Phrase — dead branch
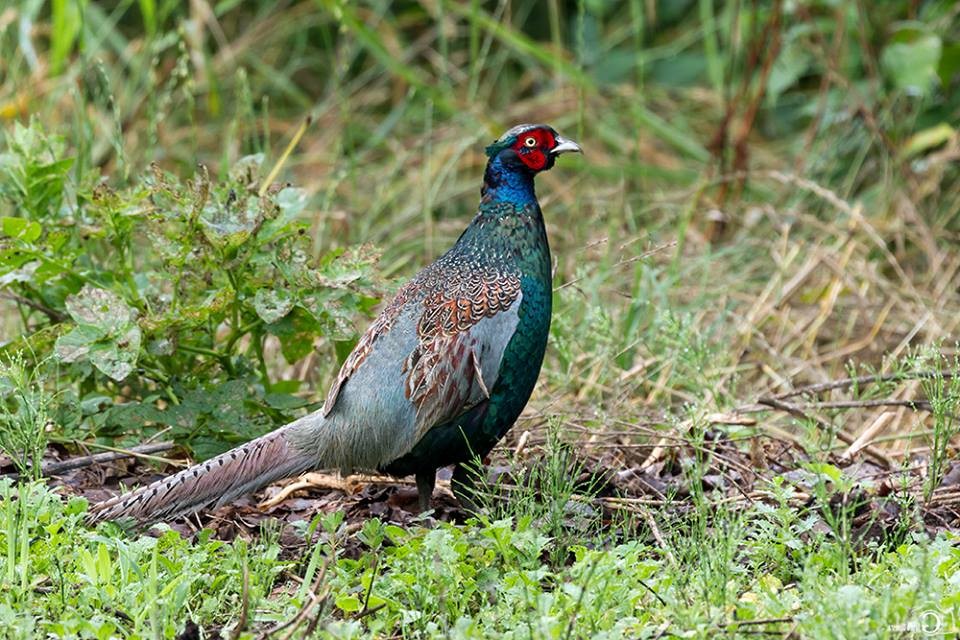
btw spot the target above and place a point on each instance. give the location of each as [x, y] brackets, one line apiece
[140, 451]
[844, 383]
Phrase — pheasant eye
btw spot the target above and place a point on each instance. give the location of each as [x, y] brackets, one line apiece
[530, 142]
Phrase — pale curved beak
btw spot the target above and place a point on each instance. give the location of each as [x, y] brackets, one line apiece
[564, 145]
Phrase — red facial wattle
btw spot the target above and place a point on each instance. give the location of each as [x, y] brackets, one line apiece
[534, 155]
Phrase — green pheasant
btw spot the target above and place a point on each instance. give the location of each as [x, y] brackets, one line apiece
[438, 378]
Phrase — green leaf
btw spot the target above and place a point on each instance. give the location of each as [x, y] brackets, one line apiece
[209, 416]
[296, 332]
[75, 345]
[20, 228]
[224, 400]
[162, 346]
[100, 308]
[348, 603]
[792, 63]
[67, 22]
[834, 474]
[94, 403]
[397, 535]
[285, 401]
[246, 170]
[272, 305]
[949, 65]
[228, 225]
[343, 348]
[117, 358]
[106, 334]
[148, 9]
[912, 66]
[286, 386]
[18, 273]
[292, 202]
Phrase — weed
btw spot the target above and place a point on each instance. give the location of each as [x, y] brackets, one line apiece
[553, 492]
[942, 390]
[27, 409]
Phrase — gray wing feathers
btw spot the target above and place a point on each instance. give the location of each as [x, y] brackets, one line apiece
[493, 334]
[371, 419]
[389, 402]
[448, 374]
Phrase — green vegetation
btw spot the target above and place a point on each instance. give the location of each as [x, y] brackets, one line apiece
[762, 572]
[202, 203]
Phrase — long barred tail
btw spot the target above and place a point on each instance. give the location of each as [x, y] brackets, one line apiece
[210, 484]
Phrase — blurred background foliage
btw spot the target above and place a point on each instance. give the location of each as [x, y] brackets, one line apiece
[167, 288]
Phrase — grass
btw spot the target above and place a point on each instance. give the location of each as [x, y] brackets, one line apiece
[25, 417]
[740, 574]
[741, 225]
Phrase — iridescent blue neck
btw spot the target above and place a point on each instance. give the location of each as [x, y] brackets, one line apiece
[507, 182]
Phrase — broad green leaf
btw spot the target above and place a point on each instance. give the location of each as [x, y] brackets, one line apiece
[228, 225]
[117, 358]
[348, 602]
[287, 386]
[106, 334]
[75, 345]
[21, 274]
[292, 202]
[833, 473]
[794, 61]
[100, 308]
[163, 346]
[343, 348]
[296, 332]
[397, 535]
[272, 305]
[285, 401]
[94, 403]
[912, 66]
[949, 65]
[20, 228]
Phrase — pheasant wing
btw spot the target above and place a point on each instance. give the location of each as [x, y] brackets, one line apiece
[448, 374]
[468, 317]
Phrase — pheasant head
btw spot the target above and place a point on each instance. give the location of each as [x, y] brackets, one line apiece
[518, 155]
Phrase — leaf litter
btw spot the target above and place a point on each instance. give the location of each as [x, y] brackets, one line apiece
[662, 483]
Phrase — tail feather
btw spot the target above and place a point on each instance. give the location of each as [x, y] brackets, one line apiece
[210, 484]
